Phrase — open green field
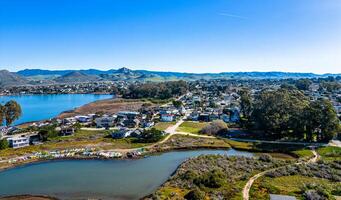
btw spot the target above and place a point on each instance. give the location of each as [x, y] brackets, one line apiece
[191, 127]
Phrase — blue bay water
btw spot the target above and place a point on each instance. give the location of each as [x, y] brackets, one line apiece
[98, 179]
[40, 107]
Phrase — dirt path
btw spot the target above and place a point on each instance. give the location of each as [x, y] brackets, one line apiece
[247, 187]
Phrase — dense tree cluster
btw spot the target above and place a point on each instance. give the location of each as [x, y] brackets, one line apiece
[164, 90]
[289, 113]
[303, 84]
[9, 112]
[149, 136]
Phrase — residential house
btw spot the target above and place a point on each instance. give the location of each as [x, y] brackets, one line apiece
[66, 131]
[105, 121]
[17, 141]
[167, 117]
[122, 133]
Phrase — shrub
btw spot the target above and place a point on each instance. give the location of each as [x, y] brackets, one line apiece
[149, 136]
[316, 192]
[4, 144]
[265, 158]
[195, 194]
[215, 128]
[212, 179]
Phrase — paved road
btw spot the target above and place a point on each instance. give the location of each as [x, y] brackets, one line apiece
[247, 187]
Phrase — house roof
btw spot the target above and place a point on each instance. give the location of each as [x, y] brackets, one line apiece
[281, 197]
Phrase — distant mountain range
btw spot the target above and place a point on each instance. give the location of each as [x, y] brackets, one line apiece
[39, 76]
[9, 79]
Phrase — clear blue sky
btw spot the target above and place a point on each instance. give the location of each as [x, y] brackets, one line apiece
[172, 35]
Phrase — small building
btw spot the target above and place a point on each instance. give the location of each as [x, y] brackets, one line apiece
[17, 141]
[167, 117]
[204, 117]
[131, 123]
[147, 124]
[281, 197]
[105, 122]
[128, 115]
[122, 133]
[66, 131]
[83, 119]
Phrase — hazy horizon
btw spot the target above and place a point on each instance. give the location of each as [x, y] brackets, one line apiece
[193, 36]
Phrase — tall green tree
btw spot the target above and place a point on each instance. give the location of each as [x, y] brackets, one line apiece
[245, 103]
[276, 112]
[303, 84]
[12, 112]
[321, 121]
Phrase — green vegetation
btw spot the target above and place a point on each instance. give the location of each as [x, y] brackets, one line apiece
[295, 185]
[330, 153]
[9, 112]
[303, 153]
[4, 144]
[161, 126]
[187, 142]
[195, 194]
[217, 127]
[163, 90]
[288, 113]
[212, 177]
[176, 103]
[245, 106]
[191, 127]
[149, 136]
[48, 132]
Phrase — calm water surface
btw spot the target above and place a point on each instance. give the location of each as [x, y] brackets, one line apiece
[109, 179]
[40, 107]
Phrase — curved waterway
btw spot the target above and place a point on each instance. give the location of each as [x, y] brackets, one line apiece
[98, 179]
[41, 107]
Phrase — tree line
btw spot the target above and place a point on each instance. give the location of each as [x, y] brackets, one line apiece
[164, 90]
[289, 113]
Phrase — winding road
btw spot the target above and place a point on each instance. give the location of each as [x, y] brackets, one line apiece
[247, 187]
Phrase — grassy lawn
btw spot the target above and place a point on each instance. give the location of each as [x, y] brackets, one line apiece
[161, 126]
[286, 185]
[303, 153]
[330, 153]
[191, 127]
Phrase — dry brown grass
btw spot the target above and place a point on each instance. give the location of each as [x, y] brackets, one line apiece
[108, 106]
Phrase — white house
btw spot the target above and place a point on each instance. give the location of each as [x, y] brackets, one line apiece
[17, 141]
